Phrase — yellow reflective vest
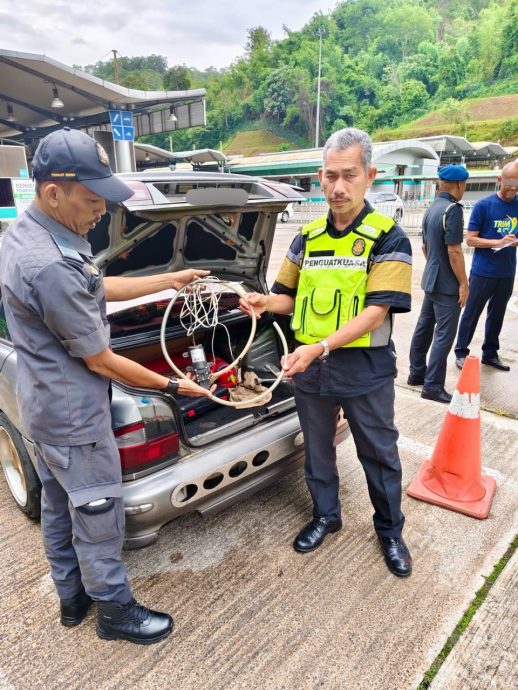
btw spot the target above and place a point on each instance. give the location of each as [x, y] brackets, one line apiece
[332, 281]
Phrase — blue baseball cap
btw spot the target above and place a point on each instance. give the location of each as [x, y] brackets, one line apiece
[453, 173]
[68, 155]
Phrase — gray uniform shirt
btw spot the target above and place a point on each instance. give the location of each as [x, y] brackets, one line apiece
[438, 275]
[56, 314]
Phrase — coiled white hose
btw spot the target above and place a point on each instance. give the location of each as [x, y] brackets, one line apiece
[201, 317]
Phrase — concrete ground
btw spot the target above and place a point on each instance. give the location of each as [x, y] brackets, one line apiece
[253, 614]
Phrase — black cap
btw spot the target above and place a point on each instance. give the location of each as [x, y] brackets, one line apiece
[68, 155]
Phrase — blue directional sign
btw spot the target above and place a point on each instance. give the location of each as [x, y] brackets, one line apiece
[118, 133]
[115, 117]
[122, 125]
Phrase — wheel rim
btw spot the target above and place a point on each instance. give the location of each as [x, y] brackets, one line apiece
[13, 469]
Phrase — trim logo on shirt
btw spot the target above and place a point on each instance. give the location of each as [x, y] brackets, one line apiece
[506, 226]
[327, 262]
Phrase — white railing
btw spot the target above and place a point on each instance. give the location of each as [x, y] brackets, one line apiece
[413, 212]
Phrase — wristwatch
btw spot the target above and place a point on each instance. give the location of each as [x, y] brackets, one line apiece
[172, 387]
[325, 345]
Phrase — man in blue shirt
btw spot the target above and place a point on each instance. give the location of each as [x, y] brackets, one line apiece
[445, 285]
[492, 232]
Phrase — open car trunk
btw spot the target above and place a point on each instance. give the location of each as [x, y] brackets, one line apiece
[136, 335]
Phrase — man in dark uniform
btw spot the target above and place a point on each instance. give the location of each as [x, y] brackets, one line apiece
[445, 285]
[492, 232]
[54, 299]
[342, 279]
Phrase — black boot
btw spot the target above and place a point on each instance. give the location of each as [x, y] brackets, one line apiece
[74, 610]
[131, 622]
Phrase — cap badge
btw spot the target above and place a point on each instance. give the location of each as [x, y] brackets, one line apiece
[102, 155]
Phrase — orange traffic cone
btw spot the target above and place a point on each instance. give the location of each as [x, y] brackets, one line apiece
[452, 477]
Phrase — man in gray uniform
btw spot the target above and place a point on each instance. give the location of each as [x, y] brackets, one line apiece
[54, 298]
[445, 285]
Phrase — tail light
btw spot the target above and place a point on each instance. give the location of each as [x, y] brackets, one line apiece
[137, 451]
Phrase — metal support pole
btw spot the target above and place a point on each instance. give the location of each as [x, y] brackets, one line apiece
[317, 125]
[124, 156]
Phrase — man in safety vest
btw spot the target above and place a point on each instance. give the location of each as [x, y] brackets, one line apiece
[343, 278]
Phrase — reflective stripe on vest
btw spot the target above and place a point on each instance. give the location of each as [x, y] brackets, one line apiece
[332, 281]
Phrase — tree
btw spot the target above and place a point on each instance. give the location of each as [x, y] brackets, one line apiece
[422, 66]
[405, 26]
[144, 80]
[456, 115]
[489, 37]
[359, 23]
[259, 41]
[177, 78]
[413, 96]
[280, 90]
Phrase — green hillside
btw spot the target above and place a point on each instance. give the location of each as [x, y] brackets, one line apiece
[251, 143]
[391, 67]
[480, 119]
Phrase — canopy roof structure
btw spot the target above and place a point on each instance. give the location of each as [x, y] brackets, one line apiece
[39, 95]
[452, 149]
[308, 161]
[148, 156]
[200, 156]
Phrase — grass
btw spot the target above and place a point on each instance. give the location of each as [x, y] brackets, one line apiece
[479, 599]
[262, 137]
[490, 119]
[253, 143]
[504, 131]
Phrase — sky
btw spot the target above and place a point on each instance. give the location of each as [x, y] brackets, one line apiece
[197, 33]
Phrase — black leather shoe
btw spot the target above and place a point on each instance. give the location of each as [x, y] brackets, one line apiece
[497, 363]
[439, 396]
[132, 622]
[459, 362]
[397, 555]
[313, 534]
[74, 610]
[413, 380]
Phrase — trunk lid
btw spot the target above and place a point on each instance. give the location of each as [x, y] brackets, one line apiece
[217, 221]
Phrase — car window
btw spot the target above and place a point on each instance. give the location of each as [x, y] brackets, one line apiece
[155, 250]
[4, 331]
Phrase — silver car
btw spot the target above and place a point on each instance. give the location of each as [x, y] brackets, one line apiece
[186, 454]
[387, 203]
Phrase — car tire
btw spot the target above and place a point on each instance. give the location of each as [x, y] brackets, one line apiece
[19, 472]
[398, 215]
[285, 216]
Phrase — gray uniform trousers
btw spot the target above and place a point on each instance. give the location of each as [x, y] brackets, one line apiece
[437, 323]
[83, 542]
[371, 420]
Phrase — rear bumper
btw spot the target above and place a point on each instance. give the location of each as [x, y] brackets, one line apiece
[213, 478]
